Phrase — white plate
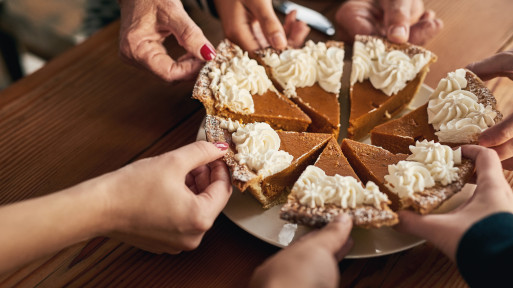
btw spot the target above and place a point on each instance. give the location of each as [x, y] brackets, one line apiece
[266, 225]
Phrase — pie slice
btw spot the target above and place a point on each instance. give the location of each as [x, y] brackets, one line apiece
[384, 78]
[264, 161]
[311, 78]
[398, 134]
[376, 164]
[234, 86]
[318, 195]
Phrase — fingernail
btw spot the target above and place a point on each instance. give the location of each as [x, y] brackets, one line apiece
[221, 145]
[342, 218]
[398, 32]
[208, 52]
[278, 41]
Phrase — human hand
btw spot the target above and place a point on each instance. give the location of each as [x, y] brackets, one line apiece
[253, 25]
[311, 261]
[397, 20]
[167, 203]
[144, 27]
[498, 65]
[493, 194]
[500, 136]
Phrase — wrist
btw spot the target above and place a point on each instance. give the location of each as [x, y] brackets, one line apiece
[95, 197]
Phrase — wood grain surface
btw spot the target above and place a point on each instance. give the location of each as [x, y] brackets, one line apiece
[87, 113]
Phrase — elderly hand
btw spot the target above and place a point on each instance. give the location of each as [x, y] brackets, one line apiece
[167, 203]
[144, 27]
[253, 24]
[493, 194]
[397, 20]
[500, 136]
[309, 262]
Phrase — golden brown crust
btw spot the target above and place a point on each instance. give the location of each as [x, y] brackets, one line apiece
[365, 216]
[407, 48]
[484, 95]
[242, 176]
[431, 198]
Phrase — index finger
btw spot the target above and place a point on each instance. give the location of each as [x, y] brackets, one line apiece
[500, 64]
[216, 195]
[397, 19]
[152, 55]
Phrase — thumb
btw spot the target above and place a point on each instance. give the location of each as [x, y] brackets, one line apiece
[189, 35]
[196, 154]
[273, 30]
[397, 19]
[500, 64]
[334, 236]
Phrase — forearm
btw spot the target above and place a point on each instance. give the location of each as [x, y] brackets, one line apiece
[41, 226]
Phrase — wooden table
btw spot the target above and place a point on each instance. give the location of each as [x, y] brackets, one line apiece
[87, 113]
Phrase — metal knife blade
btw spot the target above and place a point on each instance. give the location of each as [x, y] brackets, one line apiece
[311, 17]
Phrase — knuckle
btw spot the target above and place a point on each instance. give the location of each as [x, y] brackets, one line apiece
[201, 224]
[189, 33]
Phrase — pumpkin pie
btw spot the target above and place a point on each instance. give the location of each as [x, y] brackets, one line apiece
[397, 174]
[331, 187]
[262, 160]
[398, 134]
[384, 78]
[310, 77]
[237, 87]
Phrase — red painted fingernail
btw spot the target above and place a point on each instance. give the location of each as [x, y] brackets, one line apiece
[208, 52]
[221, 145]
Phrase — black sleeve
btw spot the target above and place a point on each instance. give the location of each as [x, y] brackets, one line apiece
[485, 252]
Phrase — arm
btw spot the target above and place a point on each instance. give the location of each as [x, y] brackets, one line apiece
[41, 226]
[160, 204]
[458, 233]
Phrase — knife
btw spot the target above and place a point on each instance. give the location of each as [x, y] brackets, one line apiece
[311, 17]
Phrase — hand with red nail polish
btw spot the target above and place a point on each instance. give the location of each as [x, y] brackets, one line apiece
[144, 27]
[163, 204]
[311, 261]
[397, 20]
[253, 25]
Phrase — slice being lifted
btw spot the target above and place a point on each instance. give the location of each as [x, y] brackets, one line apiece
[384, 79]
[421, 181]
[311, 78]
[264, 161]
[330, 188]
[458, 111]
[236, 87]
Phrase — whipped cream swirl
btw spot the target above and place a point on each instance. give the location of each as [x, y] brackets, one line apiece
[315, 189]
[429, 163]
[234, 83]
[388, 71]
[407, 177]
[456, 114]
[303, 67]
[257, 146]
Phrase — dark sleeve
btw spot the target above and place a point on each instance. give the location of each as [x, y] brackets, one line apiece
[485, 252]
